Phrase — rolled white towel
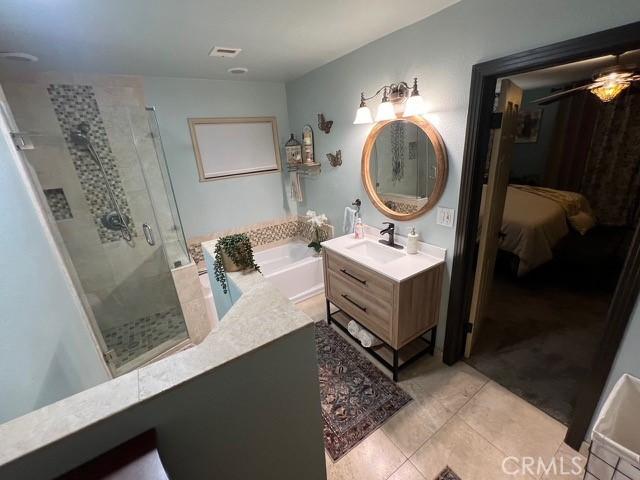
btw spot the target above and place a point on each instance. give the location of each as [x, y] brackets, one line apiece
[349, 222]
[368, 339]
[354, 328]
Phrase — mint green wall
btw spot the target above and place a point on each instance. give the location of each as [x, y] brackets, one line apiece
[440, 51]
[46, 349]
[206, 207]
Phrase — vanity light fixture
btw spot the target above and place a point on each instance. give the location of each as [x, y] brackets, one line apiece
[393, 96]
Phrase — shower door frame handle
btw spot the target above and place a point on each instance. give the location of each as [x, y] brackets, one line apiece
[148, 234]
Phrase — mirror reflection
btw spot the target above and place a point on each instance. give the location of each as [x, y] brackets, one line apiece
[403, 166]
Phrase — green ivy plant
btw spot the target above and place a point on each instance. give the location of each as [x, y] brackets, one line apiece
[238, 249]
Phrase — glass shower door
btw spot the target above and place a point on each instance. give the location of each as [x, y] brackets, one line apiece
[100, 179]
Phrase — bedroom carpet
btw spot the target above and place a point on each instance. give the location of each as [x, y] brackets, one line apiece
[356, 397]
[540, 334]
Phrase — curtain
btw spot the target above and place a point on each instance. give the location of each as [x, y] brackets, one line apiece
[569, 148]
[611, 179]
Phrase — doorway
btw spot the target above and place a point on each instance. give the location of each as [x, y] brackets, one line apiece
[467, 295]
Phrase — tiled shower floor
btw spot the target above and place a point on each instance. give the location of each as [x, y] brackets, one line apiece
[136, 337]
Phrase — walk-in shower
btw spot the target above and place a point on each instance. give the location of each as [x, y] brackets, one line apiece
[99, 162]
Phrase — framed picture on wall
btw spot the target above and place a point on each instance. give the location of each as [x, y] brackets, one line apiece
[229, 147]
[528, 126]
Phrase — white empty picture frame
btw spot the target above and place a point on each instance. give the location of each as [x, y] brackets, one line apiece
[228, 147]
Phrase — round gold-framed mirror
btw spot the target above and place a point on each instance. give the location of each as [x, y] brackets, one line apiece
[404, 167]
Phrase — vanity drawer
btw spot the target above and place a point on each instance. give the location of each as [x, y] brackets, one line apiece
[374, 313]
[360, 277]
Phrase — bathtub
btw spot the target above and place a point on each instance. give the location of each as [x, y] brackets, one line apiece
[293, 269]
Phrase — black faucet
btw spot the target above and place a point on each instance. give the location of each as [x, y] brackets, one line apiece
[391, 231]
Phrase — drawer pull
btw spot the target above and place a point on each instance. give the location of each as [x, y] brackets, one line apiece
[346, 297]
[364, 282]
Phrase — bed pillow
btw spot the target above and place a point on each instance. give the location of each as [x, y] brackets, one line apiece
[582, 222]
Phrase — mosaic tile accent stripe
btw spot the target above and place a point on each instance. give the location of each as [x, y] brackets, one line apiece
[58, 204]
[401, 207]
[74, 104]
[261, 235]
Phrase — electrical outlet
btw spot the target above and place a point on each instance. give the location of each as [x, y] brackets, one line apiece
[445, 217]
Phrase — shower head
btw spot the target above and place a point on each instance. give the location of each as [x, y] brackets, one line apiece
[79, 135]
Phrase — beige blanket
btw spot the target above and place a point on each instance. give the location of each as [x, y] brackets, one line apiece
[534, 221]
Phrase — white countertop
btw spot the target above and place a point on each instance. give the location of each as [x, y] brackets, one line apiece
[402, 268]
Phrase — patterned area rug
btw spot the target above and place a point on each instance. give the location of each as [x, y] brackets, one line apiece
[356, 397]
[447, 474]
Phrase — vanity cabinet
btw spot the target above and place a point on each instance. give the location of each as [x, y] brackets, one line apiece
[395, 311]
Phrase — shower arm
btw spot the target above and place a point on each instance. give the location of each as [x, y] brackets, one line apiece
[124, 228]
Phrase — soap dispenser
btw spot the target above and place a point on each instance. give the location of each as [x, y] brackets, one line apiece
[412, 242]
[358, 230]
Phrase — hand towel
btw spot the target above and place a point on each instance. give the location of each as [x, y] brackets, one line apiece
[354, 328]
[296, 188]
[368, 339]
[349, 222]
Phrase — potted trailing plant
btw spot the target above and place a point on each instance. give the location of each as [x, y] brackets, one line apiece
[232, 254]
[318, 235]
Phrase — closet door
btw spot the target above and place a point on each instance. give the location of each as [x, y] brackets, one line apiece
[496, 191]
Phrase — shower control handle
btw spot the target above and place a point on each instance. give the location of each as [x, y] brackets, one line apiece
[148, 234]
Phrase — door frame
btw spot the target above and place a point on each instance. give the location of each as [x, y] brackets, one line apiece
[479, 121]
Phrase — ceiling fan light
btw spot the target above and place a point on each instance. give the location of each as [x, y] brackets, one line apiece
[610, 90]
[385, 112]
[415, 106]
[363, 116]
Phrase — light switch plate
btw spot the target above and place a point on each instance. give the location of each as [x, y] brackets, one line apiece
[445, 217]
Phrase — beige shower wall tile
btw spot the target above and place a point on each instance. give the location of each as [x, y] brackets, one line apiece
[187, 282]
[196, 319]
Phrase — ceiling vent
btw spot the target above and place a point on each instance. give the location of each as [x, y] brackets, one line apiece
[238, 70]
[226, 52]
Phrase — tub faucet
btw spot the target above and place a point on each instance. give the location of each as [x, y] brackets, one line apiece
[391, 231]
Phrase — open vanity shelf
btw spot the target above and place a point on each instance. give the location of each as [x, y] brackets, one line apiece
[388, 356]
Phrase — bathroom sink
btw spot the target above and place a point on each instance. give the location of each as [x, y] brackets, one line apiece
[375, 252]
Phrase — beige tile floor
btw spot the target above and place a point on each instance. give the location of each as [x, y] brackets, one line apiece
[459, 418]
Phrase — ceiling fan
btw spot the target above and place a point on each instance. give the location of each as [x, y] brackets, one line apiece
[607, 84]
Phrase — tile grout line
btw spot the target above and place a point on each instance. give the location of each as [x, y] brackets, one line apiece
[454, 414]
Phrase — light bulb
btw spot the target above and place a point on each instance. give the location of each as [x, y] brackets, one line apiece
[385, 112]
[363, 115]
[415, 106]
[609, 91]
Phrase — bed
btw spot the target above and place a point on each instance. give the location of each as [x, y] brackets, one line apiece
[535, 219]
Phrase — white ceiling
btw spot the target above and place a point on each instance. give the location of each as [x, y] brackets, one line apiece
[572, 72]
[281, 39]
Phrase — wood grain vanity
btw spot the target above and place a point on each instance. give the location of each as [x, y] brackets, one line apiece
[396, 311]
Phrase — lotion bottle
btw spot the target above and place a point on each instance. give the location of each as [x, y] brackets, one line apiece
[412, 242]
[358, 230]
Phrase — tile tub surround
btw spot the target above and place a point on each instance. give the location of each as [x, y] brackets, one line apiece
[262, 235]
[257, 323]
